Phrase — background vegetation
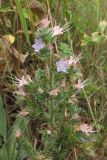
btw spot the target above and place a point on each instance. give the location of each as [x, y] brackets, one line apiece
[45, 125]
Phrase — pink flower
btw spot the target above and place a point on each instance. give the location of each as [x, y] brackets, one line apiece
[54, 92]
[57, 30]
[21, 91]
[80, 85]
[24, 113]
[20, 83]
[18, 133]
[49, 46]
[44, 23]
[86, 128]
[74, 60]
[23, 81]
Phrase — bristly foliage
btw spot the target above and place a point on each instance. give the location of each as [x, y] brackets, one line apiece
[53, 91]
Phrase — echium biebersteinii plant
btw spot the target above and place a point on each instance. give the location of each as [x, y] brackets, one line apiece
[52, 100]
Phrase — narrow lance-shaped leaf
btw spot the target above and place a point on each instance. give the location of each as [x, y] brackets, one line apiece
[3, 153]
[12, 144]
[22, 19]
[3, 126]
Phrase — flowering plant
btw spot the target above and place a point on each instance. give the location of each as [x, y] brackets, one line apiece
[50, 99]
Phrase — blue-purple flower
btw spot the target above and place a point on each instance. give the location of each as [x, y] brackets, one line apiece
[62, 65]
[38, 45]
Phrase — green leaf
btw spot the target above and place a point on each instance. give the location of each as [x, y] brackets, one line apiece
[44, 54]
[3, 125]
[65, 50]
[11, 147]
[3, 153]
[11, 144]
[86, 39]
[22, 19]
[47, 115]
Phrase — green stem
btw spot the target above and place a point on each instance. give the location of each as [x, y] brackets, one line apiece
[90, 108]
[97, 11]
